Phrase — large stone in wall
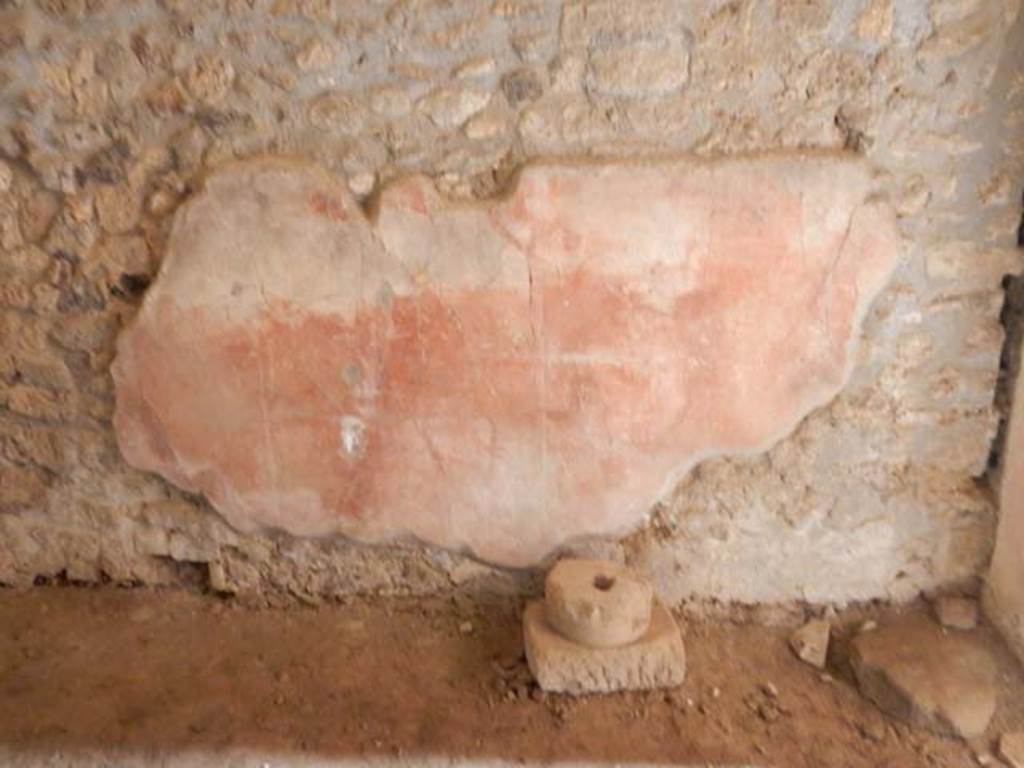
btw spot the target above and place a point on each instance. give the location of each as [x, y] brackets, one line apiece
[500, 376]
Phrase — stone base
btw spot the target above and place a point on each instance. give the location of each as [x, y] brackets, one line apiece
[656, 660]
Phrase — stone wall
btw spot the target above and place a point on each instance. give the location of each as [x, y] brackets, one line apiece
[111, 113]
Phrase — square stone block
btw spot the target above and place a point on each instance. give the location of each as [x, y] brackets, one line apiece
[656, 660]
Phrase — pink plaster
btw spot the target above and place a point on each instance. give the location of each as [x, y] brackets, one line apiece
[500, 376]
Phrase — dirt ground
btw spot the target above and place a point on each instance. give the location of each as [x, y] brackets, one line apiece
[143, 670]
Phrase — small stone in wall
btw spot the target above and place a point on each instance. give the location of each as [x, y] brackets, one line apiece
[21, 487]
[39, 403]
[449, 108]
[535, 47]
[521, 85]
[914, 671]
[956, 612]
[10, 230]
[638, 70]
[316, 55]
[810, 642]
[338, 113]
[362, 184]
[123, 254]
[486, 124]
[38, 211]
[1011, 748]
[210, 78]
[117, 207]
[875, 21]
[390, 101]
[481, 66]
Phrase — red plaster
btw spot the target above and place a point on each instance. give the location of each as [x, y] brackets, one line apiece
[506, 418]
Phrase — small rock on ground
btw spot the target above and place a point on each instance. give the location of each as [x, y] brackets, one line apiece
[810, 642]
[956, 612]
[914, 671]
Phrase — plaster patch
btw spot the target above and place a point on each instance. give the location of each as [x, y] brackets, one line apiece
[541, 366]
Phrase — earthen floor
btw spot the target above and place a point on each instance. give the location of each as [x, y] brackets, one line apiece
[108, 676]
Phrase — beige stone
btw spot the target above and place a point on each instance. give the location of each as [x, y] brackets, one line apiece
[37, 214]
[118, 207]
[39, 403]
[914, 671]
[362, 184]
[316, 55]
[390, 101]
[29, 262]
[596, 603]
[480, 66]
[450, 108]
[656, 660]
[21, 487]
[15, 295]
[486, 124]
[338, 112]
[810, 642]
[875, 21]
[210, 78]
[642, 69]
[10, 230]
[123, 254]
[956, 612]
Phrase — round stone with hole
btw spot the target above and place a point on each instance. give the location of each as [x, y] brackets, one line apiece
[597, 603]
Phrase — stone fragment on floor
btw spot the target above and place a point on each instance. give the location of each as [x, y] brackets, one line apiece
[914, 671]
[620, 636]
[810, 642]
[1011, 748]
[956, 612]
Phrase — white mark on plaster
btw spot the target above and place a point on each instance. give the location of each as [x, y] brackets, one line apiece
[352, 433]
[262, 358]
